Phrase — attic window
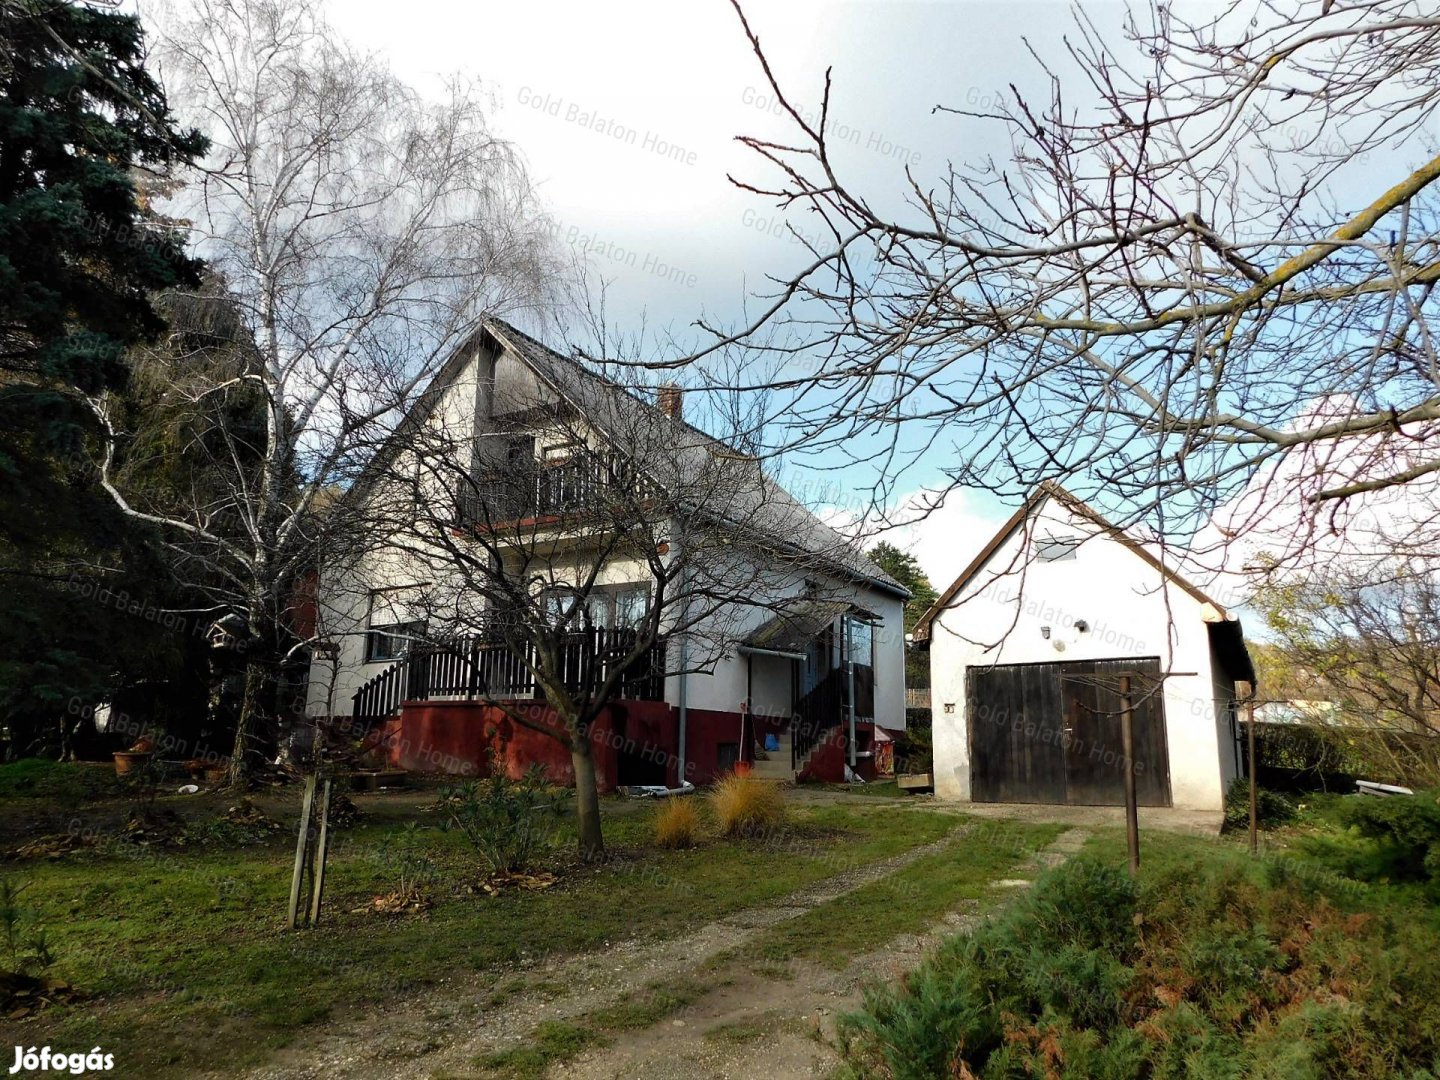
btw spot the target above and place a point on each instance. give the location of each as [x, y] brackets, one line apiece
[1057, 548]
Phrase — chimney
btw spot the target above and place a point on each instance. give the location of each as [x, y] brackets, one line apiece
[669, 399]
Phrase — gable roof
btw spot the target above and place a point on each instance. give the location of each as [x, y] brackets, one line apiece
[1051, 490]
[614, 410]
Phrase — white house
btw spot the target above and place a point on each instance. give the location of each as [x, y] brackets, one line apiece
[810, 649]
[1032, 646]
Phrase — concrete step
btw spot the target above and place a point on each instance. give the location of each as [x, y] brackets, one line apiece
[774, 769]
[777, 767]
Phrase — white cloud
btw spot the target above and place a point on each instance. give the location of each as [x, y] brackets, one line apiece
[942, 538]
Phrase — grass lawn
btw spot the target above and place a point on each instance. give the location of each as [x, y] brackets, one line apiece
[910, 900]
[190, 964]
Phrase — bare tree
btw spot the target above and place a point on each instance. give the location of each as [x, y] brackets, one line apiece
[1368, 639]
[362, 229]
[585, 542]
[1215, 245]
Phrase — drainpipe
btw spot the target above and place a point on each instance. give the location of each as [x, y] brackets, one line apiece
[850, 680]
[684, 681]
[680, 752]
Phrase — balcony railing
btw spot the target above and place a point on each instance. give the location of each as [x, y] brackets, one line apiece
[579, 486]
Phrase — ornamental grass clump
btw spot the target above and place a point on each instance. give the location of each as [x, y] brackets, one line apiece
[746, 807]
[676, 823]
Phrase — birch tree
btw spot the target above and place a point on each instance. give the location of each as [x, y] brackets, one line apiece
[362, 228]
[1213, 245]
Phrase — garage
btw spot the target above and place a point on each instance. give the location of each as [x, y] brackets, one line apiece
[1050, 732]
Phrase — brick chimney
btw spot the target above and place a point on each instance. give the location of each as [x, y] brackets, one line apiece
[670, 400]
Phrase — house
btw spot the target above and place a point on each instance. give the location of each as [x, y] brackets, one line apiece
[1033, 646]
[786, 638]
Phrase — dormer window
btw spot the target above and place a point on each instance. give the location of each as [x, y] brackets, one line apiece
[1057, 548]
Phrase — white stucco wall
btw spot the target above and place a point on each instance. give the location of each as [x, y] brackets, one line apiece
[1132, 611]
[504, 384]
[727, 681]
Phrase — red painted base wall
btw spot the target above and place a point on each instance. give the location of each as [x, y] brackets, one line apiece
[633, 741]
[828, 759]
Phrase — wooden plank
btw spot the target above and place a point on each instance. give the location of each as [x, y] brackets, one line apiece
[1015, 729]
[301, 844]
[1151, 747]
[317, 873]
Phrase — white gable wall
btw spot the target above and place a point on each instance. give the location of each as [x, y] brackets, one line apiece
[1131, 610]
[490, 383]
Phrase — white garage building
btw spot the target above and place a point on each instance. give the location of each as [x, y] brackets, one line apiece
[1028, 648]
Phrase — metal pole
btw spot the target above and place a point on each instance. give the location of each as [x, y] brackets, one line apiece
[1127, 742]
[850, 687]
[1254, 801]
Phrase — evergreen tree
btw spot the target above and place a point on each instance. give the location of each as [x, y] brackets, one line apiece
[80, 255]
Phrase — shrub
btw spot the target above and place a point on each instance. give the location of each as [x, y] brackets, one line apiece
[1271, 808]
[509, 823]
[1201, 973]
[676, 823]
[24, 951]
[745, 806]
[405, 856]
[1405, 828]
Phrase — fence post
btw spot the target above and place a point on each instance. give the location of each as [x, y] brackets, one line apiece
[1127, 742]
[302, 845]
[1254, 799]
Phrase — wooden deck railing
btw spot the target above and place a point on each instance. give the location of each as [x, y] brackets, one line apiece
[482, 668]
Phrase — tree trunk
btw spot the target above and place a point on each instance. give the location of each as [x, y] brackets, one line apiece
[587, 796]
[255, 710]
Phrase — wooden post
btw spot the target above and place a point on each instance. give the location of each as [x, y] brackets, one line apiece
[1127, 742]
[1254, 799]
[302, 843]
[317, 873]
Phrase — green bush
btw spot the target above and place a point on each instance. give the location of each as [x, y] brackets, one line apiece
[1271, 808]
[1405, 828]
[509, 823]
[1208, 971]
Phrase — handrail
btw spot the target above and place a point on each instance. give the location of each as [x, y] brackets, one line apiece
[820, 711]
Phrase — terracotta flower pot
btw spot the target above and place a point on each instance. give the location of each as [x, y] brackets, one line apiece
[128, 761]
[742, 768]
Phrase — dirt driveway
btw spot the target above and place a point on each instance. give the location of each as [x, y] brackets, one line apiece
[747, 1020]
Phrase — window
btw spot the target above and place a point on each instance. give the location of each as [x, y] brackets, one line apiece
[607, 606]
[632, 602]
[861, 639]
[1056, 548]
[390, 641]
[392, 627]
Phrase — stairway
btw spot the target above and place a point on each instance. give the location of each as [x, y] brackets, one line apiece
[777, 766]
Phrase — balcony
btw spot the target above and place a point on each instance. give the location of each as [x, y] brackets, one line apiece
[575, 488]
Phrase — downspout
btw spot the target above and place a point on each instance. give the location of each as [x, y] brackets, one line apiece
[850, 688]
[680, 751]
[683, 680]
[749, 710]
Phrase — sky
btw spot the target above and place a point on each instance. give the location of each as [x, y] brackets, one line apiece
[626, 114]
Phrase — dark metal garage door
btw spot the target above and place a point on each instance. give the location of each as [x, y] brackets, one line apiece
[1050, 733]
